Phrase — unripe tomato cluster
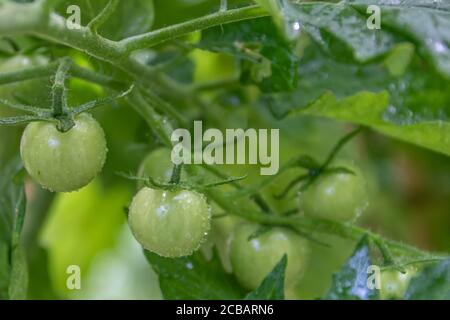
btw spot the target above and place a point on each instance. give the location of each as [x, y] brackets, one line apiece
[175, 223]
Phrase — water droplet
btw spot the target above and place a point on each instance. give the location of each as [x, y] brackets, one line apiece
[292, 29]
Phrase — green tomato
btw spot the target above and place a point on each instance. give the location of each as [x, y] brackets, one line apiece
[64, 162]
[169, 223]
[336, 196]
[253, 260]
[157, 164]
[394, 283]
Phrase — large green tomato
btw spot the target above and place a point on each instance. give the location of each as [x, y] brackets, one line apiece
[64, 162]
[253, 260]
[169, 223]
[336, 196]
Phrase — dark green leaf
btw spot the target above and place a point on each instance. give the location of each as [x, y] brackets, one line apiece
[426, 22]
[13, 273]
[4, 270]
[433, 283]
[342, 31]
[272, 287]
[11, 194]
[194, 277]
[351, 282]
[267, 59]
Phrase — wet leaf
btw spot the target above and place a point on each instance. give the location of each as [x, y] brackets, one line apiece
[194, 278]
[351, 282]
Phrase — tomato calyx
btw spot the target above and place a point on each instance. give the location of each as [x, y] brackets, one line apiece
[314, 168]
[59, 111]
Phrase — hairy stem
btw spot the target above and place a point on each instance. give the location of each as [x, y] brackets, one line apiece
[172, 32]
[103, 16]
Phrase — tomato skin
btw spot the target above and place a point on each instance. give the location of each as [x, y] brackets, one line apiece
[336, 196]
[64, 162]
[253, 260]
[169, 223]
[157, 164]
[394, 283]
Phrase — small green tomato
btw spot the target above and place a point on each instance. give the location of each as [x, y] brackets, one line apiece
[64, 161]
[336, 196]
[169, 223]
[394, 283]
[158, 165]
[253, 260]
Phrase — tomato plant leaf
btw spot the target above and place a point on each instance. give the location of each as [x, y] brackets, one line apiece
[272, 287]
[194, 278]
[433, 283]
[426, 22]
[342, 31]
[367, 108]
[4, 270]
[350, 283]
[13, 272]
[267, 59]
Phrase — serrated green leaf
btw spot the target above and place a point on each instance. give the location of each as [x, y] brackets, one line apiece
[426, 22]
[267, 59]
[194, 278]
[342, 31]
[367, 108]
[350, 283]
[433, 283]
[272, 287]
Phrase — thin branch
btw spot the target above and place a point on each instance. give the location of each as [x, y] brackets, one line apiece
[96, 103]
[175, 31]
[21, 107]
[29, 73]
[223, 5]
[221, 183]
[103, 16]
[339, 146]
[97, 78]
[11, 121]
